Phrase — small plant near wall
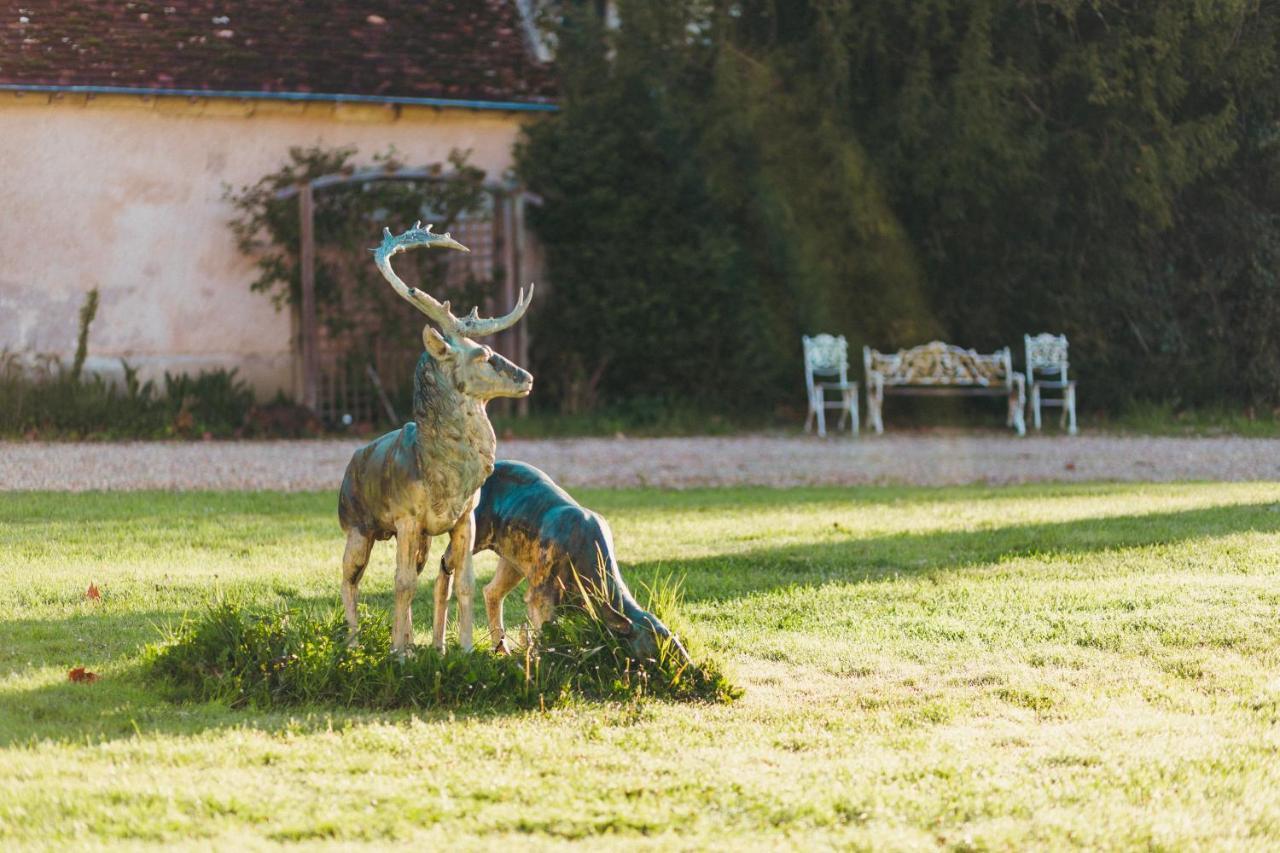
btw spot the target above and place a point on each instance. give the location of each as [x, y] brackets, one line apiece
[46, 398]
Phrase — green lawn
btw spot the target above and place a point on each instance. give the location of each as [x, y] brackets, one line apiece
[964, 668]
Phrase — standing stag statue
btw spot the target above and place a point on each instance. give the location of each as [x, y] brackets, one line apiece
[423, 479]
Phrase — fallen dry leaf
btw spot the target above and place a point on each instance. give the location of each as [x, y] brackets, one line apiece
[92, 593]
[80, 675]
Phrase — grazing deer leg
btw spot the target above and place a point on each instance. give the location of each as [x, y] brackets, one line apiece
[504, 580]
[467, 605]
[408, 540]
[354, 560]
[443, 592]
[542, 600]
[461, 542]
[424, 548]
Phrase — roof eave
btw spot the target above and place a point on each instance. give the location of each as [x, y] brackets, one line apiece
[331, 97]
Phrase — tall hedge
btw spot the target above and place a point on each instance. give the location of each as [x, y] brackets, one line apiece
[648, 296]
[724, 177]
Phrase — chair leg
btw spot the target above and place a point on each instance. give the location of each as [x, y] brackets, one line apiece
[1035, 406]
[855, 424]
[1071, 409]
[822, 420]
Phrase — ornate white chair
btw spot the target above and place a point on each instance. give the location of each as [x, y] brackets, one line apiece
[828, 356]
[1047, 369]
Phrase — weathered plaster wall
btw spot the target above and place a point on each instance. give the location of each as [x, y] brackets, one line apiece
[126, 195]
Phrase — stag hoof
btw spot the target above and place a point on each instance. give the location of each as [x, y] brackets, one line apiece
[403, 654]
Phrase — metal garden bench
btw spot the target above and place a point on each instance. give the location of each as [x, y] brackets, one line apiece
[942, 369]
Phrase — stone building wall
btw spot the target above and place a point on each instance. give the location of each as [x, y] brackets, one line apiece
[125, 194]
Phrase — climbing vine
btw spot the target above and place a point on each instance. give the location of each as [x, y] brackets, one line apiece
[351, 295]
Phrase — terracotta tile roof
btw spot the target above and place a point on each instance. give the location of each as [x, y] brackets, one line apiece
[454, 49]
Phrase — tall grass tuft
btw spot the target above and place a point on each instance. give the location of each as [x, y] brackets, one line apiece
[299, 656]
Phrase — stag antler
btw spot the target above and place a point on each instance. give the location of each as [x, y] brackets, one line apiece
[470, 326]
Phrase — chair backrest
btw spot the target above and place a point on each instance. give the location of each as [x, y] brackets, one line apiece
[1046, 354]
[825, 355]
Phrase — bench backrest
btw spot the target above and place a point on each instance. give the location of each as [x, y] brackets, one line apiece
[825, 355]
[1046, 355]
[938, 363]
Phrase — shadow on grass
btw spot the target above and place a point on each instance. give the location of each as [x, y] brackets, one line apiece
[719, 499]
[729, 576]
[122, 704]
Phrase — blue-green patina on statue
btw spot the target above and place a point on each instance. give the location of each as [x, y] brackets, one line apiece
[540, 533]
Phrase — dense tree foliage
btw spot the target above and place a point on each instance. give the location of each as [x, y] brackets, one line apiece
[725, 176]
[646, 295]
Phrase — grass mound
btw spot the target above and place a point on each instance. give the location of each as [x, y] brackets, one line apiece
[292, 656]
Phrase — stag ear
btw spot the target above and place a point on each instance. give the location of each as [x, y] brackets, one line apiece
[435, 343]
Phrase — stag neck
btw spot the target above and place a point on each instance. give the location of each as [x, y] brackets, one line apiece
[450, 424]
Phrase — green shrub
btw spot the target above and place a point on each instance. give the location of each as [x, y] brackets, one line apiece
[213, 401]
[48, 398]
[51, 401]
[298, 656]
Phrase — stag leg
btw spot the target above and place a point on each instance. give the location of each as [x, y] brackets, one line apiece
[409, 539]
[354, 560]
[504, 580]
[461, 542]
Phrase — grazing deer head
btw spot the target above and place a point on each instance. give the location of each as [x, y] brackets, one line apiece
[475, 369]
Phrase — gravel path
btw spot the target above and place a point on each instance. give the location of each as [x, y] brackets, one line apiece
[916, 458]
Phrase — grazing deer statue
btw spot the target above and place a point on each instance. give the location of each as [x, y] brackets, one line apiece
[541, 533]
[422, 480]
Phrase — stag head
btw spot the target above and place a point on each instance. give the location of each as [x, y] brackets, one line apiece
[475, 369]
